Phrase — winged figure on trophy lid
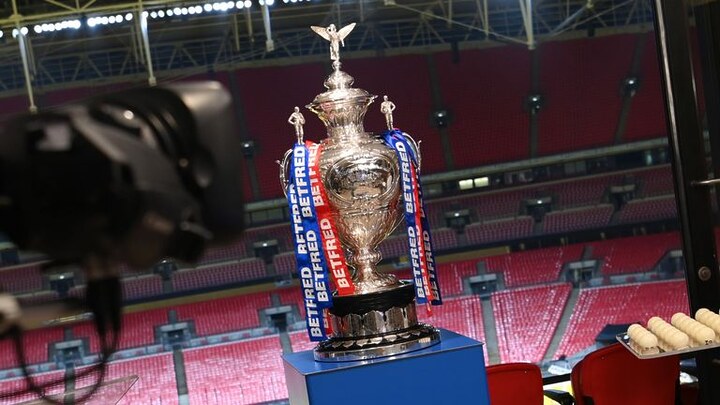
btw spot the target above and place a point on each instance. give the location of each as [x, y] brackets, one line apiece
[335, 37]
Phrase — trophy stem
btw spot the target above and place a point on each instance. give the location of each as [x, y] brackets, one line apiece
[367, 279]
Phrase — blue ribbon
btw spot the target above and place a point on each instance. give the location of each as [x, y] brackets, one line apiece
[311, 265]
[397, 140]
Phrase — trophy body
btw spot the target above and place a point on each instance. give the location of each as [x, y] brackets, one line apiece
[362, 179]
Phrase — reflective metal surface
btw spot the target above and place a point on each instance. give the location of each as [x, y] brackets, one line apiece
[361, 175]
[418, 337]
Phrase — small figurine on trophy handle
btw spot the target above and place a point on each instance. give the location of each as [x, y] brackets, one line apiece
[387, 107]
[297, 120]
[336, 38]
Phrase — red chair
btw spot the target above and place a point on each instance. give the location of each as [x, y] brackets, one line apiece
[612, 375]
[519, 383]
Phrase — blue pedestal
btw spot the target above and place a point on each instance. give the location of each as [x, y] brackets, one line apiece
[451, 372]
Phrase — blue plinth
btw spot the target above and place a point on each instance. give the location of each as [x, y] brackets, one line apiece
[451, 372]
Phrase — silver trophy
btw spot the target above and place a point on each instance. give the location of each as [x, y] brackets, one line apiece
[361, 175]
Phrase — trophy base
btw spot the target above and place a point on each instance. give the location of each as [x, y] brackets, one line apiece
[370, 347]
[375, 325]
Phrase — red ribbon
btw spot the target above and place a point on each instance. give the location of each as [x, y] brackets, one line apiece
[334, 254]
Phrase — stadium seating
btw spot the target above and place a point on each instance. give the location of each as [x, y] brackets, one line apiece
[648, 209]
[16, 384]
[580, 110]
[218, 274]
[443, 239]
[138, 329]
[285, 263]
[475, 138]
[597, 307]
[577, 219]
[458, 314]
[234, 251]
[407, 84]
[394, 246]
[141, 287]
[633, 255]
[22, 278]
[244, 372]
[281, 232]
[300, 341]
[655, 181]
[267, 119]
[646, 119]
[534, 266]
[155, 385]
[224, 314]
[451, 276]
[499, 230]
[526, 320]
[292, 296]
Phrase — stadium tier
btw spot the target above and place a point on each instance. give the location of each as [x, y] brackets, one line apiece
[224, 314]
[533, 267]
[578, 219]
[597, 307]
[248, 372]
[634, 255]
[526, 320]
[22, 278]
[499, 230]
[138, 329]
[566, 124]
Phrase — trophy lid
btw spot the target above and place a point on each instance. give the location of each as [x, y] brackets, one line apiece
[342, 107]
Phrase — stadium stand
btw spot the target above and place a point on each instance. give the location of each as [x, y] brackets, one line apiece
[141, 287]
[597, 307]
[138, 329]
[224, 314]
[36, 343]
[648, 209]
[533, 267]
[459, 314]
[233, 251]
[647, 113]
[478, 140]
[499, 230]
[19, 383]
[577, 219]
[156, 383]
[22, 278]
[284, 263]
[218, 274]
[526, 320]
[268, 126]
[408, 86]
[451, 276]
[566, 124]
[247, 371]
[633, 255]
[654, 182]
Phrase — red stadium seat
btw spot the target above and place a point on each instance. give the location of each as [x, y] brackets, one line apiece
[612, 375]
[519, 383]
[515, 383]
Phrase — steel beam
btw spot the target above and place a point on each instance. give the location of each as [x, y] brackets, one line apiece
[688, 152]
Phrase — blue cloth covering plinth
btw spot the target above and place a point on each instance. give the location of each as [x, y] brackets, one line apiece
[451, 372]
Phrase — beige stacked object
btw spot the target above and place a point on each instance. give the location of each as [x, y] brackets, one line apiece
[684, 334]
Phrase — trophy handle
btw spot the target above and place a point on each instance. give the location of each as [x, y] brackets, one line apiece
[284, 168]
[415, 146]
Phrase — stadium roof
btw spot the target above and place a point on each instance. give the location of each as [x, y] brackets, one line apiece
[101, 40]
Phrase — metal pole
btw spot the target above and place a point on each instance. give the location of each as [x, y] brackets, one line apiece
[26, 69]
[693, 201]
[143, 25]
[707, 20]
[269, 44]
